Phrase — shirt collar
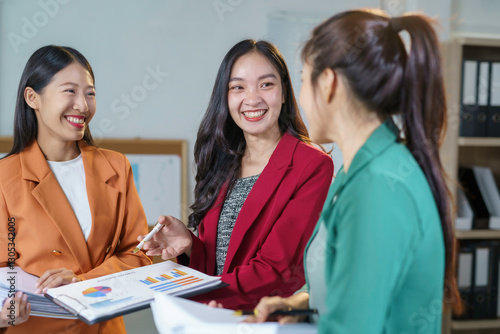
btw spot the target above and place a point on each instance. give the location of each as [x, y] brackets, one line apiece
[379, 141]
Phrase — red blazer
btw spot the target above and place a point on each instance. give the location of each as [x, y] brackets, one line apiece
[48, 235]
[265, 253]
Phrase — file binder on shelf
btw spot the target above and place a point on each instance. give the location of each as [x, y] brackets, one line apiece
[497, 281]
[481, 294]
[494, 109]
[473, 194]
[480, 104]
[483, 88]
[464, 279]
[494, 276]
[465, 215]
[478, 279]
[489, 192]
[468, 105]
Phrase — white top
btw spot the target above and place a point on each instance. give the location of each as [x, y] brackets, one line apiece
[71, 176]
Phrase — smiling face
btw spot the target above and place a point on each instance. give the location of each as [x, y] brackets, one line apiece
[255, 95]
[65, 106]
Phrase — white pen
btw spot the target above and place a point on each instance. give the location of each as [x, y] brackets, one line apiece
[155, 230]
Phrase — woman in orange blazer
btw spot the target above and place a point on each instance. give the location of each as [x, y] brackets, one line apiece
[260, 184]
[58, 237]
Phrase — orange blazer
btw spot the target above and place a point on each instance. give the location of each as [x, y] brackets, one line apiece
[48, 234]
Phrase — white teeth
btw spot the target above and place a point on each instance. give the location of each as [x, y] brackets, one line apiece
[254, 114]
[75, 120]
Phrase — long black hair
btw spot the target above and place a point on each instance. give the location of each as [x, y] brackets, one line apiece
[220, 144]
[43, 64]
[364, 46]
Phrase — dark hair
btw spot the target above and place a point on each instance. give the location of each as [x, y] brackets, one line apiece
[43, 64]
[220, 143]
[364, 47]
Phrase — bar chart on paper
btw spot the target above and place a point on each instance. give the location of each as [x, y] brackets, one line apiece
[107, 296]
[175, 278]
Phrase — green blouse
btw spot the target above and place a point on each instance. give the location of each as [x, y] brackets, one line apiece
[375, 262]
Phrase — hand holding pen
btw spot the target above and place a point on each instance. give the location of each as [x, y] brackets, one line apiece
[284, 310]
[170, 240]
[148, 237]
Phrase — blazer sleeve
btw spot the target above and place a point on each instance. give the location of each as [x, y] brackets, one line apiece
[277, 269]
[375, 230]
[198, 256]
[134, 224]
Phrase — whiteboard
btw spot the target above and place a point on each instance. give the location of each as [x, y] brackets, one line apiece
[160, 172]
[157, 178]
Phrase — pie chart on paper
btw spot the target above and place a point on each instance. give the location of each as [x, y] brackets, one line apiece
[96, 291]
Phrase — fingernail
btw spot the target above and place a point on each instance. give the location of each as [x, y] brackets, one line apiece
[37, 291]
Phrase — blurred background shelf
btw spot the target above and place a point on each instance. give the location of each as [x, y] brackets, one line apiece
[477, 234]
[475, 324]
[467, 151]
[479, 141]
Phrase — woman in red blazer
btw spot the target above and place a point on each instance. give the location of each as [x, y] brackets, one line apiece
[260, 185]
[58, 238]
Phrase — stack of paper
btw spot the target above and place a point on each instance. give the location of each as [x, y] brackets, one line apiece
[16, 279]
[175, 315]
[112, 295]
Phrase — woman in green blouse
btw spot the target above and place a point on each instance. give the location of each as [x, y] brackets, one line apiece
[383, 249]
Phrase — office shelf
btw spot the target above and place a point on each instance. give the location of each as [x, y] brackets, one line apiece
[467, 151]
[477, 234]
[458, 325]
[479, 141]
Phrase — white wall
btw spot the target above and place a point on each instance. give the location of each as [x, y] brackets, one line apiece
[125, 40]
[479, 16]
[185, 41]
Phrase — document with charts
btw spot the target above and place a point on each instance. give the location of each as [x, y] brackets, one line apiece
[127, 291]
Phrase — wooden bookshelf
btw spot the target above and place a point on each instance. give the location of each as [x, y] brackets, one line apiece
[477, 234]
[479, 141]
[462, 325]
[467, 151]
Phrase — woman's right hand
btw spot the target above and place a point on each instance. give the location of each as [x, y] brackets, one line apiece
[171, 241]
[18, 313]
[268, 305]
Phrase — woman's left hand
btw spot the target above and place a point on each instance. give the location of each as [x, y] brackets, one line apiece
[214, 304]
[15, 310]
[54, 278]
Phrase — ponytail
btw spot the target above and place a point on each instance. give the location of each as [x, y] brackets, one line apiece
[423, 111]
[364, 44]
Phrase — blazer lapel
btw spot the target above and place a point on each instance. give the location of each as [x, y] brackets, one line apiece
[103, 201]
[264, 188]
[51, 197]
[209, 226]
